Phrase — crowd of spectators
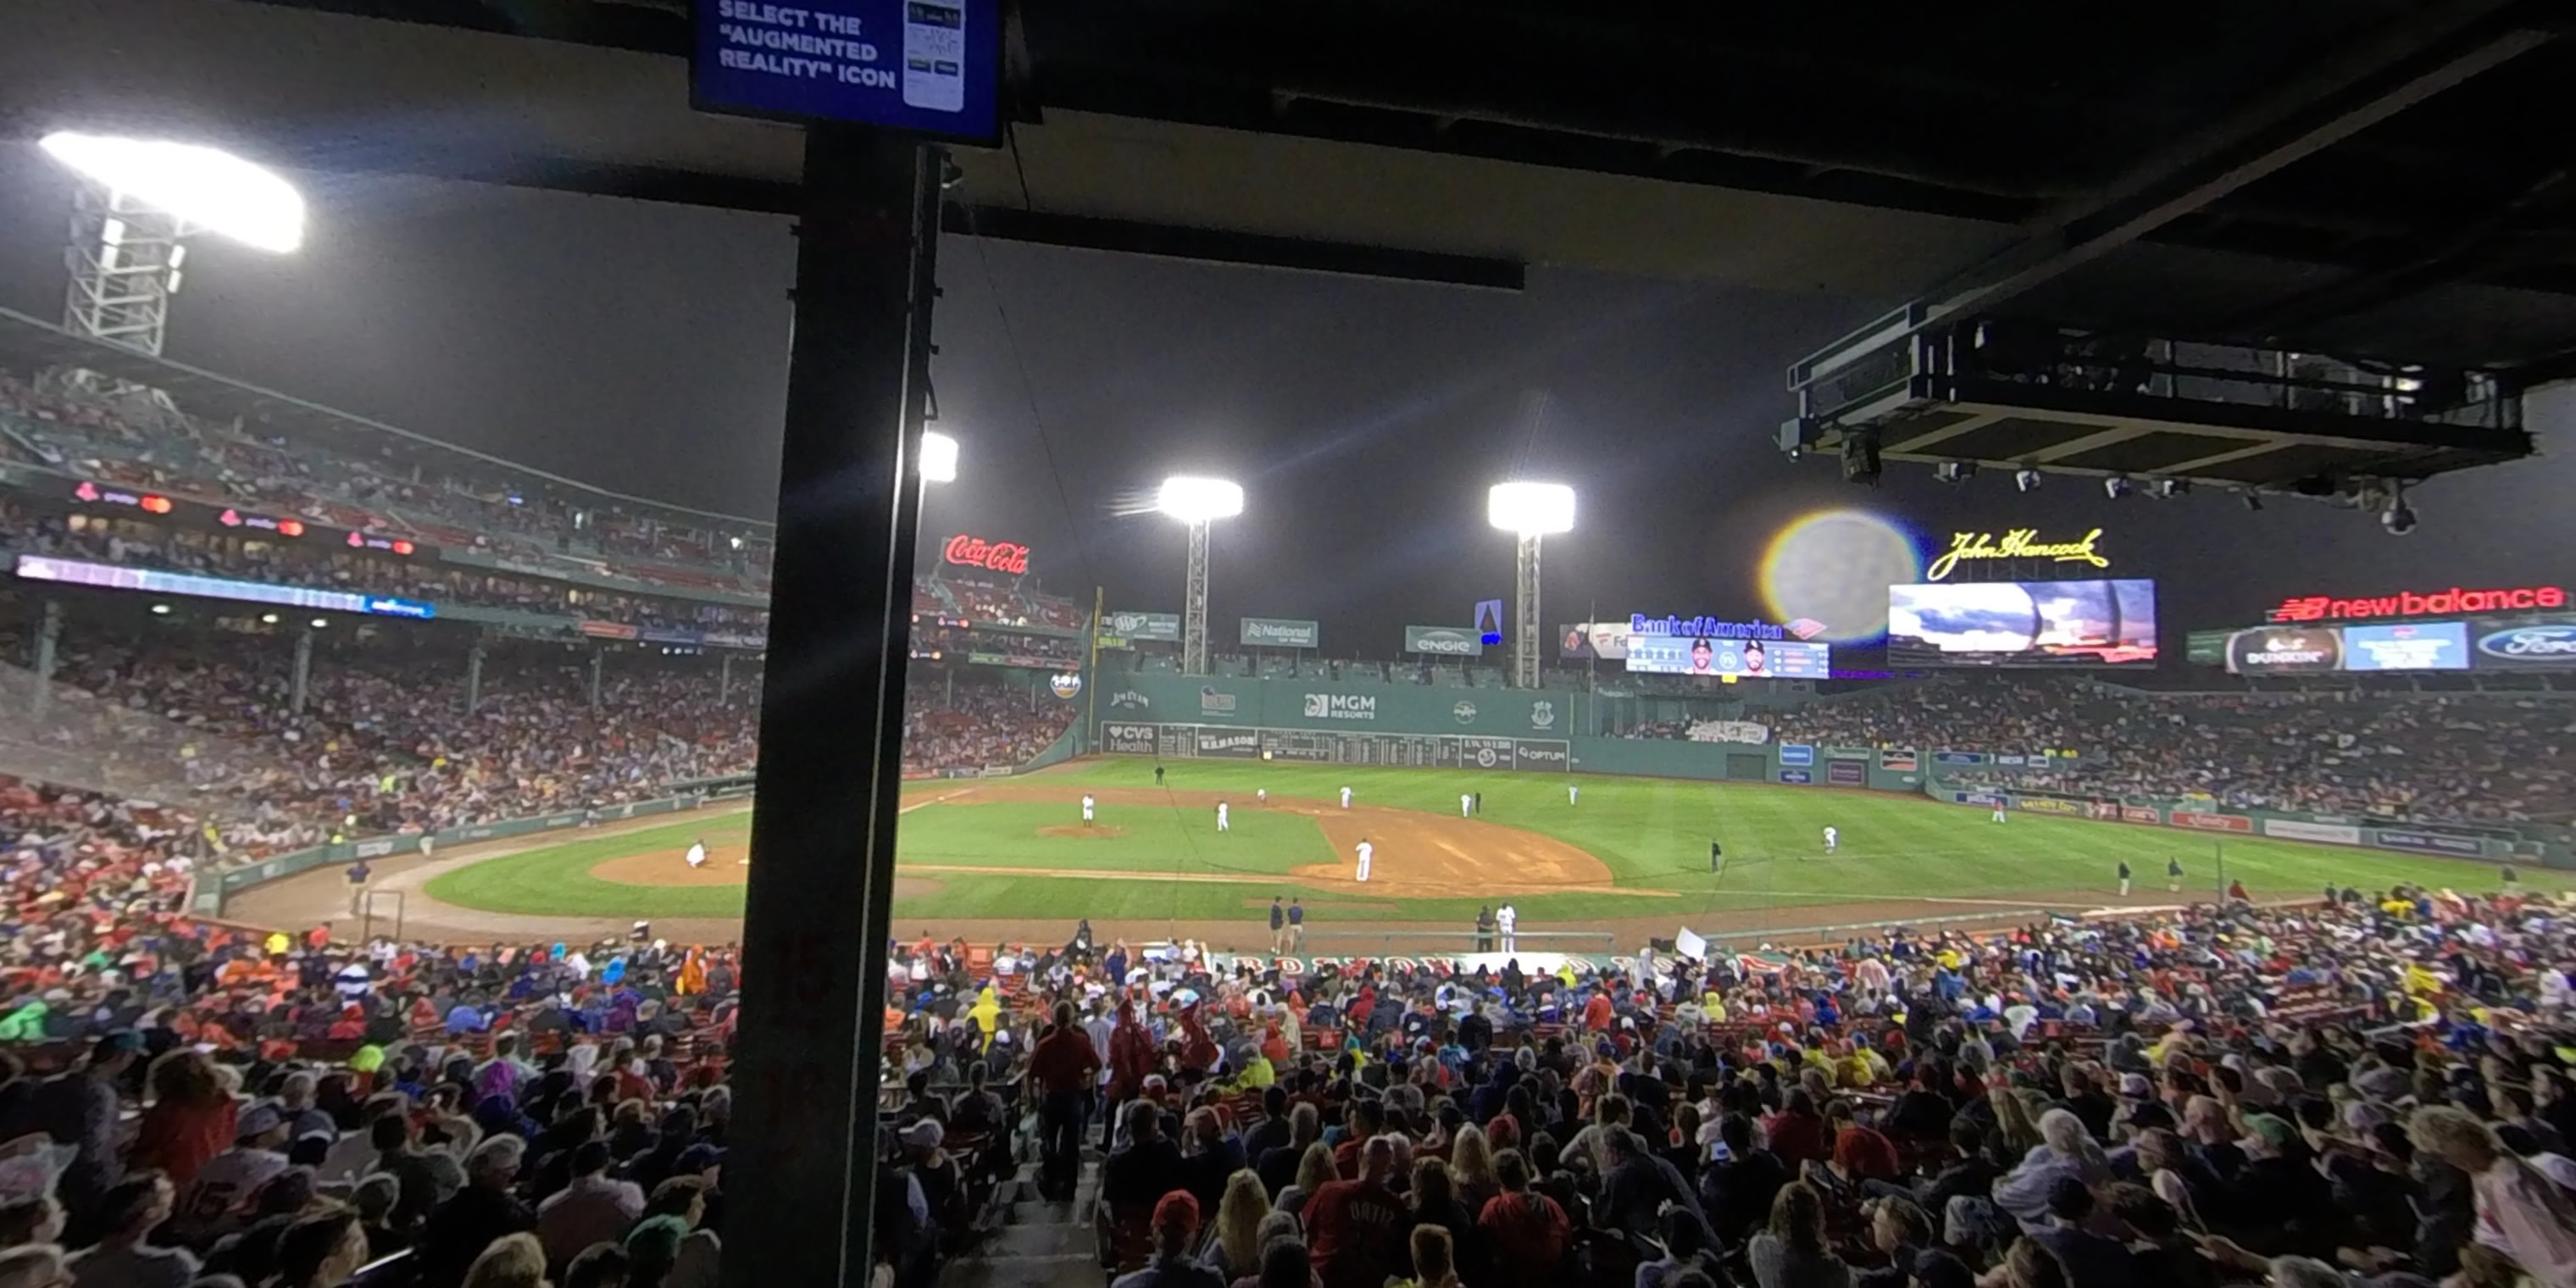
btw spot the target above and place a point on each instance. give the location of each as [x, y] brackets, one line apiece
[2450, 757]
[959, 720]
[383, 744]
[2374, 1089]
[396, 485]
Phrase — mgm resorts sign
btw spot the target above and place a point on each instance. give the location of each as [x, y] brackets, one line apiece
[2016, 543]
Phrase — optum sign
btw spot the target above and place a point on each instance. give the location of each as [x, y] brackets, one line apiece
[1443, 641]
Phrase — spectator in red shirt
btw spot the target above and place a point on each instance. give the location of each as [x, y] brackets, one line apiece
[1597, 1013]
[1356, 1229]
[1797, 1133]
[1360, 1124]
[1525, 1232]
[1065, 1067]
[191, 1118]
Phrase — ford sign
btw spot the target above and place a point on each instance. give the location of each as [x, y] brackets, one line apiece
[2531, 645]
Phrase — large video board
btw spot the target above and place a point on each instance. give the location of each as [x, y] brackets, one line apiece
[1746, 659]
[2484, 644]
[2109, 622]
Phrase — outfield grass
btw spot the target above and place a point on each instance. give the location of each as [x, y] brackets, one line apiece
[1651, 833]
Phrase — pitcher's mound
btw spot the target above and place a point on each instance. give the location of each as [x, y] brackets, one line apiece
[1084, 831]
[726, 865]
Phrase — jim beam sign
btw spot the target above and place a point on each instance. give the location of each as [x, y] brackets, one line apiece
[2016, 543]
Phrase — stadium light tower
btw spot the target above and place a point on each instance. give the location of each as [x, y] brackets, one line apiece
[1197, 502]
[938, 457]
[1529, 511]
[137, 205]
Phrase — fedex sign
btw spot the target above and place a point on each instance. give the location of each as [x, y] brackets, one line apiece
[2412, 603]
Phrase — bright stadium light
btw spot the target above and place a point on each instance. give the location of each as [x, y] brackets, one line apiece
[1528, 511]
[1197, 502]
[1531, 509]
[207, 187]
[1191, 499]
[938, 457]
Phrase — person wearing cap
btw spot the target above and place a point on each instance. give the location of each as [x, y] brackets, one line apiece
[125, 1257]
[214, 1196]
[1175, 1227]
[2280, 1192]
[479, 1215]
[80, 1108]
[593, 1209]
[943, 1183]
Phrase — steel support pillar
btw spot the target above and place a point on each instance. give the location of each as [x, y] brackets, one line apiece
[49, 643]
[1526, 636]
[598, 659]
[808, 1059]
[303, 671]
[1194, 625]
[474, 678]
[724, 680]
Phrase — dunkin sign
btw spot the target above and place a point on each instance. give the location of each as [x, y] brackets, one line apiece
[992, 556]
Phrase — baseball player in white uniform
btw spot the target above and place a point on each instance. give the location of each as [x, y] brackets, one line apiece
[698, 854]
[1366, 850]
[1573, 793]
[1999, 811]
[1261, 795]
[1086, 807]
[1505, 918]
[1220, 816]
[1466, 803]
[1832, 839]
[1346, 798]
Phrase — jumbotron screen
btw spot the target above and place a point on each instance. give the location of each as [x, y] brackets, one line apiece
[2022, 623]
[1748, 659]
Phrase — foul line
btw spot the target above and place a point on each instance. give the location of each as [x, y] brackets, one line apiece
[1846, 896]
[927, 802]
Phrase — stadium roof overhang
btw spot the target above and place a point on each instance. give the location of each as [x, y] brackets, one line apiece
[1461, 141]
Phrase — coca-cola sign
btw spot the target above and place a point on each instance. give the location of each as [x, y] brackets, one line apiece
[995, 556]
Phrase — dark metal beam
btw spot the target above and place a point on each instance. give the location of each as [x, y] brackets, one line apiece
[1217, 246]
[2348, 90]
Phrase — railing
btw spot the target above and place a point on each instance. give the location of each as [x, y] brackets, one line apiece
[1464, 941]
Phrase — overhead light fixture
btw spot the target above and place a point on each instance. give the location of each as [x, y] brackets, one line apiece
[938, 457]
[1192, 499]
[320, 622]
[1530, 509]
[2026, 480]
[268, 619]
[204, 186]
[1954, 471]
[2115, 487]
[160, 610]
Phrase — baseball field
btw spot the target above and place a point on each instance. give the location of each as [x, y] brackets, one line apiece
[1007, 858]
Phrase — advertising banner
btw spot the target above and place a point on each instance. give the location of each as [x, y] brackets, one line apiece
[2107, 811]
[1847, 773]
[1848, 753]
[1444, 641]
[1797, 777]
[1986, 800]
[2147, 814]
[1127, 739]
[2399, 838]
[2049, 805]
[2208, 822]
[1958, 757]
[1901, 760]
[2416, 603]
[1749, 659]
[1744, 731]
[1485, 753]
[1233, 744]
[2409, 646]
[2295, 830]
[1340, 706]
[1280, 632]
[2527, 644]
[1214, 701]
[1797, 753]
[1161, 627]
[2278, 649]
[1536, 754]
[1582, 641]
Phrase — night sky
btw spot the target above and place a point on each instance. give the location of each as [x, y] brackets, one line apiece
[642, 348]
